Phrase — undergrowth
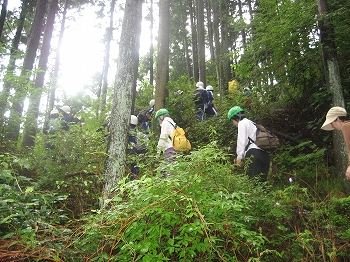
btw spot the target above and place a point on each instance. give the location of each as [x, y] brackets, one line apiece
[207, 211]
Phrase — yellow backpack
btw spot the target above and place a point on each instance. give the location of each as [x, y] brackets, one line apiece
[179, 139]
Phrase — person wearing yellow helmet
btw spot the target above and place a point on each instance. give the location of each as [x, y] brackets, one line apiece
[259, 160]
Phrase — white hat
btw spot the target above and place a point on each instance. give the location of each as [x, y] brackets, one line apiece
[209, 88]
[332, 115]
[200, 85]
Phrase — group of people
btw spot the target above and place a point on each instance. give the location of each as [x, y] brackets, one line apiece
[204, 102]
[257, 160]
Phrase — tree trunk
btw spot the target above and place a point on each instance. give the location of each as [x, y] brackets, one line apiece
[151, 49]
[201, 41]
[58, 57]
[15, 118]
[185, 42]
[194, 42]
[210, 30]
[124, 90]
[25, 9]
[332, 77]
[3, 16]
[30, 125]
[162, 74]
[218, 67]
[109, 34]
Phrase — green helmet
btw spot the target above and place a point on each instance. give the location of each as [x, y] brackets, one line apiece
[160, 112]
[233, 111]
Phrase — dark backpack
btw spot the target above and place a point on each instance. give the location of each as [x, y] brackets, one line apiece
[200, 97]
[141, 115]
[265, 139]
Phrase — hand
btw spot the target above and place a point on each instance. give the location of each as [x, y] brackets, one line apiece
[239, 162]
[347, 174]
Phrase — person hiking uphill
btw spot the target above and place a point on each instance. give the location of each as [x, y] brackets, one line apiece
[137, 143]
[336, 119]
[201, 99]
[147, 117]
[51, 126]
[67, 118]
[165, 144]
[211, 109]
[258, 160]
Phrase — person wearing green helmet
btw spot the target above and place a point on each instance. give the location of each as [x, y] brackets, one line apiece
[167, 124]
[259, 162]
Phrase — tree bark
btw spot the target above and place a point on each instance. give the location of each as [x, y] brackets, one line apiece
[3, 17]
[58, 57]
[216, 23]
[124, 90]
[25, 9]
[15, 118]
[30, 125]
[201, 41]
[109, 34]
[162, 73]
[332, 78]
[194, 42]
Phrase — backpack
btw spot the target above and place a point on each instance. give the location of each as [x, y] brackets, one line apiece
[200, 97]
[141, 115]
[265, 139]
[179, 139]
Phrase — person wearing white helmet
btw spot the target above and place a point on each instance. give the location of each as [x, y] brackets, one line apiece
[336, 119]
[201, 99]
[68, 118]
[211, 109]
[137, 143]
[51, 126]
[145, 117]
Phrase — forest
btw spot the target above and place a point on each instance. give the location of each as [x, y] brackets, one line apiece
[68, 193]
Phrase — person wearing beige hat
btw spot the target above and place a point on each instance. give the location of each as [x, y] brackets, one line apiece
[336, 119]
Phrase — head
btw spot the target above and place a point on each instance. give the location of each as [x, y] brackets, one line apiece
[161, 114]
[235, 114]
[54, 113]
[200, 85]
[152, 102]
[335, 116]
[133, 121]
[209, 88]
[66, 109]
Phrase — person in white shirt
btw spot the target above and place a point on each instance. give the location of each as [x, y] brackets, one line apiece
[165, 144]
[258, 160]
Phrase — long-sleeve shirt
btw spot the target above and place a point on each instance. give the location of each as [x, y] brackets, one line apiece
[246, 128]
[346, 133]
[167, 128]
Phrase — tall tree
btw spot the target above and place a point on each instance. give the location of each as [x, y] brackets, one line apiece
[216, 24]
[162, 73]
[16, 111]
[201, 41]
[26, 7]
[53, 85]
[124, 94]
[109, 38]
[151, 49]
[194, 40]
[30, 125]
[3, 16]
[333, 82]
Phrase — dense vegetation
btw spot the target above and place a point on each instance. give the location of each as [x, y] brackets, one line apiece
[50, 200]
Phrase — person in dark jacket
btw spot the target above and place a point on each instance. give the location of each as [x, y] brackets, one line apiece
[201, 99]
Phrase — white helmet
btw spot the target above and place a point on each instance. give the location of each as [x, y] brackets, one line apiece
[151, 103]
[133, 120]
[209, 88]
[54, 112]
[66, 109]
[200, 84]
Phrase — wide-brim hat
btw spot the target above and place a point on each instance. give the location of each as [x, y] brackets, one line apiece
[332, 115]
